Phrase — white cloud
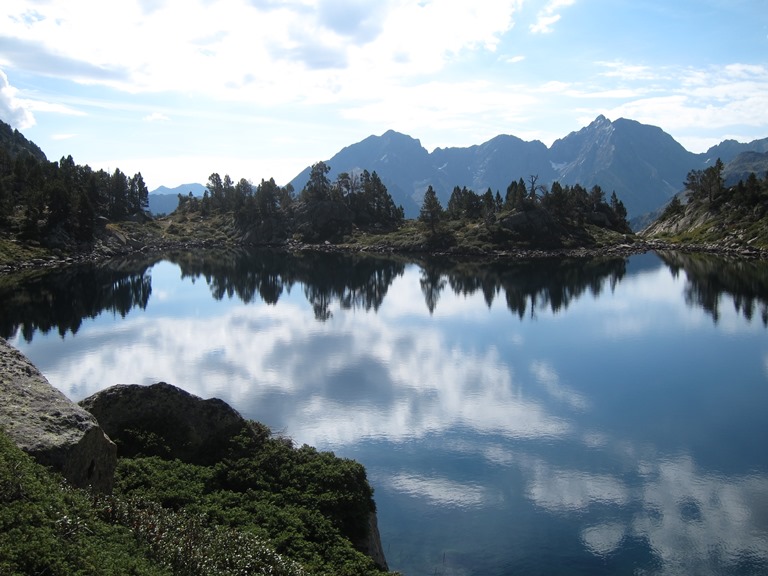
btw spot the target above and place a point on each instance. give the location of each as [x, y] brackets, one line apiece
[626, 71]
[331, 72]
[544, 23]
[548, 16]
[156, 117]
[554, 86]
[699, 106]
[454, 109]
[53, 108]
[242, 50]
[13, 110]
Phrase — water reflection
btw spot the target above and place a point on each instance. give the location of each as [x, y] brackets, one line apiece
[44, 301]
[354, 282]
[709, 278]
[619, 432]
[61, 300]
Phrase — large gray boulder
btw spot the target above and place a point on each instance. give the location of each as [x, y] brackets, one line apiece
[163, 420]
[51, 428]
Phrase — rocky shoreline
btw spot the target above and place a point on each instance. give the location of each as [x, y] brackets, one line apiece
[104, 250]
[76, 439]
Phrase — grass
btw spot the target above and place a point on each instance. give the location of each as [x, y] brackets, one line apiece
[13, 251]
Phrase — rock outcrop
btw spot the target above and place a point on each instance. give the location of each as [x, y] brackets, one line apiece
[372, 545]
[50, 427]
[163, 420]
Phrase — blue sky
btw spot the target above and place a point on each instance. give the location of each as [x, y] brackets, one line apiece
[178, 89]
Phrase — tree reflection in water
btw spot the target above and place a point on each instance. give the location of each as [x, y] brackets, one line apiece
[710, 277]
[62, 299]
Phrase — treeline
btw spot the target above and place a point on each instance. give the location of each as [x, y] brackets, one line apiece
[59, 203]
[39, 199]
[567, 205]
[706, 189]
[323, 209]
[326, 209]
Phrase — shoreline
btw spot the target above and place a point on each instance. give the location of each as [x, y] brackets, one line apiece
[102, 251]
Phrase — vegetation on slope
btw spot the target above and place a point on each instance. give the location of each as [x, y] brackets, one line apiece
[259, 510]
[716, 214]
[358, 210]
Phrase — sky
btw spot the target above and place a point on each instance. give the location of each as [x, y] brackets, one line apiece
[180, 89]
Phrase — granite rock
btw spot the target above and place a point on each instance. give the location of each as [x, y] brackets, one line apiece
[43, 422]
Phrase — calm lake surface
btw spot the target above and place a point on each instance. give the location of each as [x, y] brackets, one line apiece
[552, 417]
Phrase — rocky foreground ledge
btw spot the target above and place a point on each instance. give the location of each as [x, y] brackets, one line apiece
[47, 425]
[75, 439]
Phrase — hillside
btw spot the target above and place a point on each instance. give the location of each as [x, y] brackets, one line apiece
[13, 143]
[714, 212]
[60, 210]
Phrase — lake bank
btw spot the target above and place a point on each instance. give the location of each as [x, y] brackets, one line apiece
[131, 239]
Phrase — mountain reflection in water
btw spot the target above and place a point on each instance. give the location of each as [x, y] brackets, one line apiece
[582, 417]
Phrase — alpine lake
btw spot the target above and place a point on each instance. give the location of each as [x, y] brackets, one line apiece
[543, 417]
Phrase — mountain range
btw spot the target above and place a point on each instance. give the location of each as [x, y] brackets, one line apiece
[644, 165]
[164, 200]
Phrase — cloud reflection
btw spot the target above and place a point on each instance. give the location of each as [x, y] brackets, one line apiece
[560, 490]
[393, 376]
[440, 491]
[326, 383]
[603, 539]
[696, 521]
[693, 521]
[548, 377]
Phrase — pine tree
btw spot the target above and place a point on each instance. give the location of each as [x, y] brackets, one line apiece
[431, 210]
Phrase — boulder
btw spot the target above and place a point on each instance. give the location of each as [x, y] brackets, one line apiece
[51, 428]
[163, 420]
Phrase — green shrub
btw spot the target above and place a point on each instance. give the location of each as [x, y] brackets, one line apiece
[49, 528]
[310, 506]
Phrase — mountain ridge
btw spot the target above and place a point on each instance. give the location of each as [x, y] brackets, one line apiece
[644, 165]
[164, 200]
